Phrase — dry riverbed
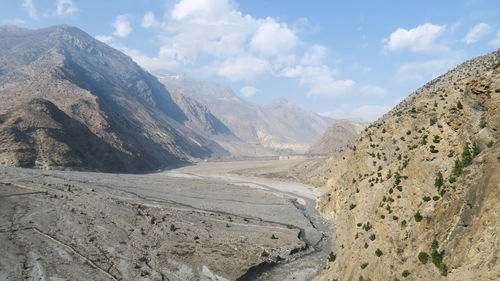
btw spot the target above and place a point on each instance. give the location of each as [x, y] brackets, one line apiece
[180, 224]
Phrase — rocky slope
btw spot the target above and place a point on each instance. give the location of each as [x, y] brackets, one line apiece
[337, 135]
[65, 94]
[416, 196]
[279, 127]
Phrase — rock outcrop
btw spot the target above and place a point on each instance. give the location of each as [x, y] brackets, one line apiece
[416, 196]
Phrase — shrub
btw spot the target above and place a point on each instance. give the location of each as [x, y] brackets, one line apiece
[435, 198]
[459, 105]
[367, 226]
[372, 236]
[417, 216]
[482, 123]
[426, 198]
[423, 257]
[264, 254]
[436, 258]
[442, 192]
[331, 257]
[366, 245]
[405, 273]
[466, 155]
[172, 227]
[433, 149]
[378, 253]
[497, 90]
[273, 237]
[475, 149]
[434, 244]
[436, 139]
[438, 182]
[444, 269]
[403, 223]
[432, 121]
[364, 265]
[352, 206]
[395, 218]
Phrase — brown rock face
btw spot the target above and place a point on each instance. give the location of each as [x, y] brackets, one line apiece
[70, 101]
[416, 196]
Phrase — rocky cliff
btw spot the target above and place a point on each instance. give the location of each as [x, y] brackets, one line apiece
[416, 196]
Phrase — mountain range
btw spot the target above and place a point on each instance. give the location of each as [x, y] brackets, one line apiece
[278, 127]
[70, 101]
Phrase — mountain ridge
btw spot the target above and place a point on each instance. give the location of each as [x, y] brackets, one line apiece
[279, 127]
[415, 195]
[103, 89]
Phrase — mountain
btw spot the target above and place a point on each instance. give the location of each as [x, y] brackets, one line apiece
[70, 101]
[337, 135]
[276, 128]
[417, 194]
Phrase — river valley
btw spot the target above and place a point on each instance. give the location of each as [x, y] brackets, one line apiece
[198, 222]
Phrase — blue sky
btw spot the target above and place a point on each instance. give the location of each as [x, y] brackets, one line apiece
[343, 59]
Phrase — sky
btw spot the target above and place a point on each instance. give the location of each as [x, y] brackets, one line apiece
[342, 59]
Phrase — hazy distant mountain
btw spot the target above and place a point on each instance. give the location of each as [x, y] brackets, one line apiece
[278, 127]
[69, 100]
[338, 135]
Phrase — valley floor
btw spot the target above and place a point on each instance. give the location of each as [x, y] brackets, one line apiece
[192, 223]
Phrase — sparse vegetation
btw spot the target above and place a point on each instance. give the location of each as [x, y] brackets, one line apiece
[423, 257]
[332, 257]
[417, 216]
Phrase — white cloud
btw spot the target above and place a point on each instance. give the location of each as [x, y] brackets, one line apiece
[315, 55]
[249, 91]
[419, 39]
[272, 38]
[364, 113]
[319, 79]
[373, 90]
[105, 39]
[422, 71]
[496, 42]
[231, 44]
[28, 4]
[149, 20]
[476, 32]
[15, 21]
[243, 68]
[202, 11]
[65, 7]
[122, 26]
